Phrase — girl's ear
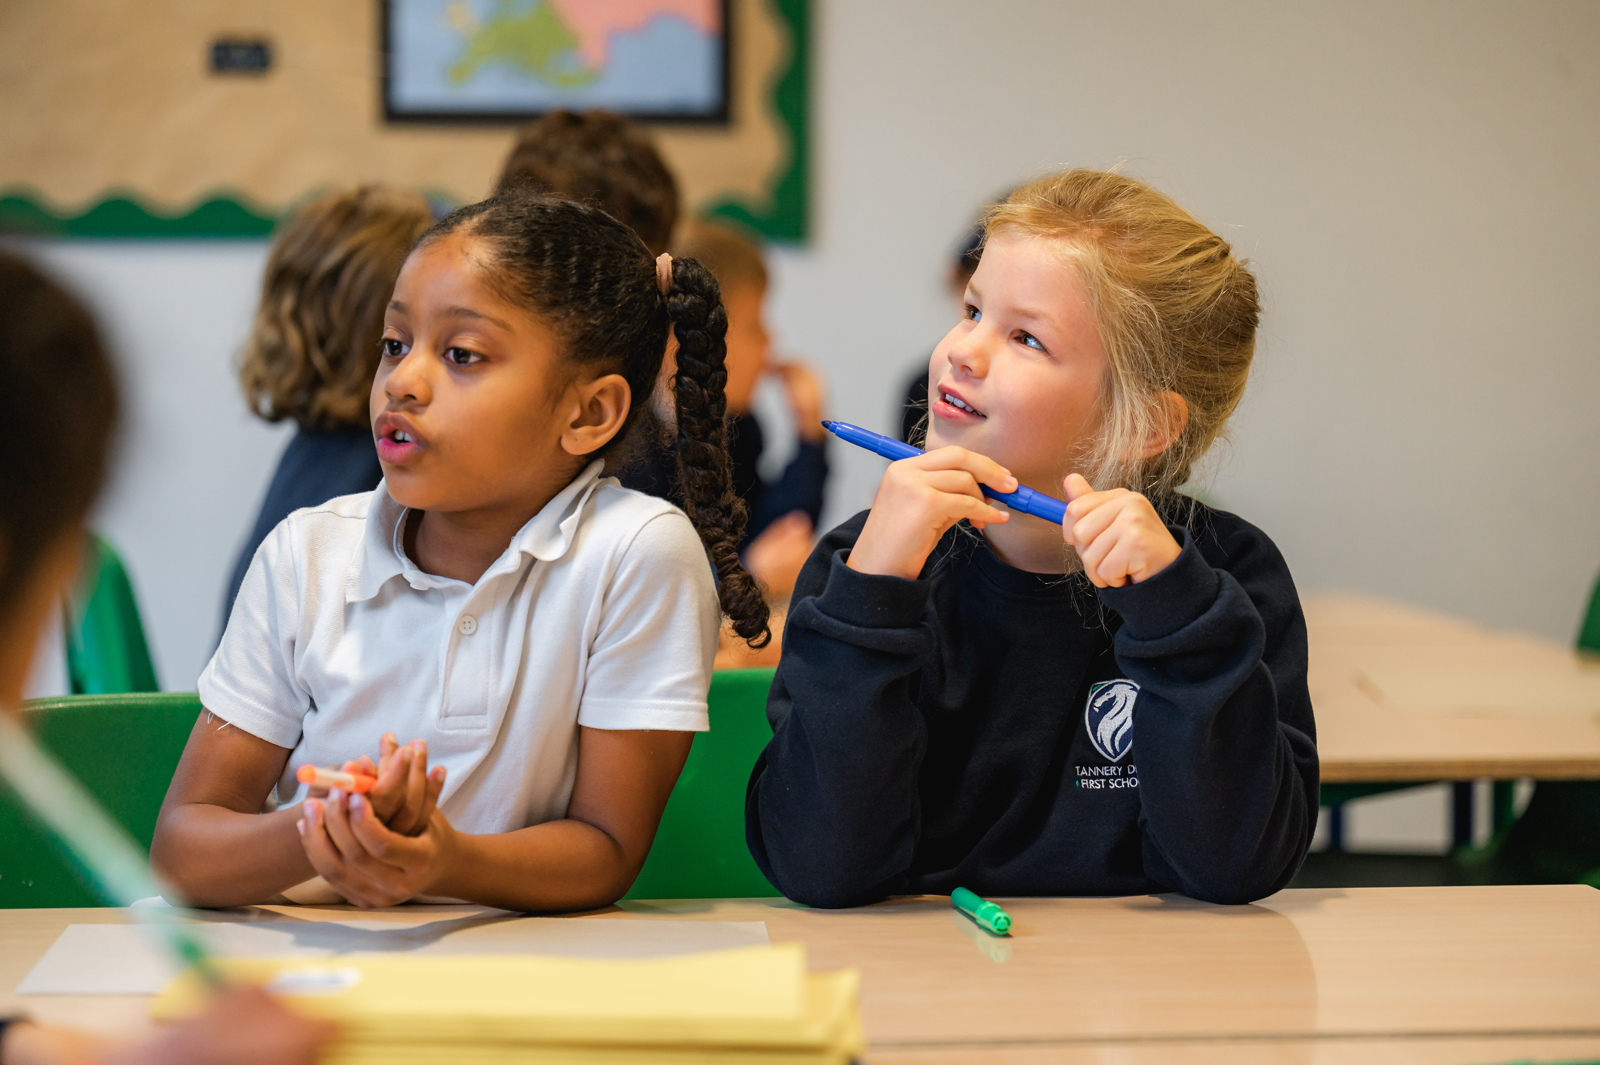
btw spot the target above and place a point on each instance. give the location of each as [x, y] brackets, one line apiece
[597, 412]
[1172, 415]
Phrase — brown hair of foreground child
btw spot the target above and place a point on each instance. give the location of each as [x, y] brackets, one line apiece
[58, 416]
[313, 347]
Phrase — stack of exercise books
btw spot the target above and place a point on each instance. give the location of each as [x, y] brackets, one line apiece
[757, 1006]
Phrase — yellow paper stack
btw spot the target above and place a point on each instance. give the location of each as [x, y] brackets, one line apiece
[742, 1006]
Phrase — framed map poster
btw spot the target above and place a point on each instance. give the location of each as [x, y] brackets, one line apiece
[510, 60]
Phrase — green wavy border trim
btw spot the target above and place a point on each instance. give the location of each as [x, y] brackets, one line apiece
[789, 217]
[121, 216]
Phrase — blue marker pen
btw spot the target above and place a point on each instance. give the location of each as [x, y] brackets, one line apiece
[1024, 499]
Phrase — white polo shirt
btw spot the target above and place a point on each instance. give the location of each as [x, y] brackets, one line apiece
[602, 612]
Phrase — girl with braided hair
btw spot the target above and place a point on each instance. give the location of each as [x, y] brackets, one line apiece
[545, 634]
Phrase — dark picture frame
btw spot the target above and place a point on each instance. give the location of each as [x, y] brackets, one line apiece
[387, 56]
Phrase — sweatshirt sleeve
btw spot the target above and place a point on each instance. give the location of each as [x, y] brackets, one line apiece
[832, 808]
[1224, 737]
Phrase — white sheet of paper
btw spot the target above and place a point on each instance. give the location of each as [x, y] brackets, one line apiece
[123, 959]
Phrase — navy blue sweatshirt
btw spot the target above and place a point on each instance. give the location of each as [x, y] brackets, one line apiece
[1023, 734]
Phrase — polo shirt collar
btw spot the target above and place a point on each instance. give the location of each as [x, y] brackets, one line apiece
[381, 556]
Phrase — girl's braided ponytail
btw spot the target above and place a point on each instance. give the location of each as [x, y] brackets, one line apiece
[694, 303]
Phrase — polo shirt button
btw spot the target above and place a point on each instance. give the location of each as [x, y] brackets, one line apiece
[467, 625]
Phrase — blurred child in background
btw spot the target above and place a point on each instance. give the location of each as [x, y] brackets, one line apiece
[58, 412]
[314, 346]
[601, 159]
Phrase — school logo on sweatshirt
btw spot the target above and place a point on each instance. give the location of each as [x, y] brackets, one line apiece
[1109, 717]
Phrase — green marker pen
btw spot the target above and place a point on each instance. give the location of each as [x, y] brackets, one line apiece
[986, 914]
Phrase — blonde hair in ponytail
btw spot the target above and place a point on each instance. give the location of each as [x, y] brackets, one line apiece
[1176, 310]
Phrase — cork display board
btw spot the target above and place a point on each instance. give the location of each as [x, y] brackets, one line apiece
[155, 118]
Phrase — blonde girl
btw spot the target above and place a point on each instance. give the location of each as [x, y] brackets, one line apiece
[980, 698]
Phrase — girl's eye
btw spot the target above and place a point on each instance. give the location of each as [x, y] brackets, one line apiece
[1029, 340]
[391, 348]
[973, 314]
[462, 357]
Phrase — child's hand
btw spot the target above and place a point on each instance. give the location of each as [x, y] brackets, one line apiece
[776, 557]
[806, 390]
[918, 500]
[406, 792]
[366, 862]
[1118, 534]
[241, 1026]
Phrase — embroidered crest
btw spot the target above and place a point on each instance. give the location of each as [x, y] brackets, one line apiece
[1109, 717]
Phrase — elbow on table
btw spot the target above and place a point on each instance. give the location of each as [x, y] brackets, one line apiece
[1240, 884]
[818, 885]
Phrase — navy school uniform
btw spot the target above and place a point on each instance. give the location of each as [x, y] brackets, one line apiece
[1025, 734]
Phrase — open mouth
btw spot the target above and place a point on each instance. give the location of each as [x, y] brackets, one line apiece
[951, 400]
[396, 441]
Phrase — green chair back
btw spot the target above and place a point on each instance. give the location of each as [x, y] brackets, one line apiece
[106, 648]
[1589, 633]
[124, 748]
[699, 852]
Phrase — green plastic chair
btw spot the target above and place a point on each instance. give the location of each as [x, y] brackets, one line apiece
[1557, 838]
[106, 648]
[699, 852]
[124, 748]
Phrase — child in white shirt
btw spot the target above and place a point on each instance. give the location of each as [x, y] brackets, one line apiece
[546, 634]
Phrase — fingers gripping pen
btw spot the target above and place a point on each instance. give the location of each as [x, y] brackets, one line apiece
[1023, 499]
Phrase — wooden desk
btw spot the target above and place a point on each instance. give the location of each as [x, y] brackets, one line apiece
[1377, 974]
[1547, 728]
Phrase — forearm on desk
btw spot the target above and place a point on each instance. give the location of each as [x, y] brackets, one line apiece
[219, 857]
[556, 866]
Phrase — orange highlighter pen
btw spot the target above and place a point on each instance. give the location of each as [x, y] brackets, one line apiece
[318, 777]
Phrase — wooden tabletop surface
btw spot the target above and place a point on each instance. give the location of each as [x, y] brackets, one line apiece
[1402, 693]
[1456, 974]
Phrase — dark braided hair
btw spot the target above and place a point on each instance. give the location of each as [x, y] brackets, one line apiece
[593, 281]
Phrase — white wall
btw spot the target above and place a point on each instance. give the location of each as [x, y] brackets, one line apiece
[1416, 183]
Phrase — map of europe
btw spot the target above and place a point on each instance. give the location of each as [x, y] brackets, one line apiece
[654, 57]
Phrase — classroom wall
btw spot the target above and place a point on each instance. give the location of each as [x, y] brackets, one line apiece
[1414, 182]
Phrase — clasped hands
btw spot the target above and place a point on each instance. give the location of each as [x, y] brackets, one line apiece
[389, 845]
[1117, 533]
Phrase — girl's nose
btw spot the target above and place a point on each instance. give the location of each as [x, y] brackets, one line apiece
[969, 355]
[407, 381]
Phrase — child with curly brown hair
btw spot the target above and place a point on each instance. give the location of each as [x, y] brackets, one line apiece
[546, 634]
[313, 347]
